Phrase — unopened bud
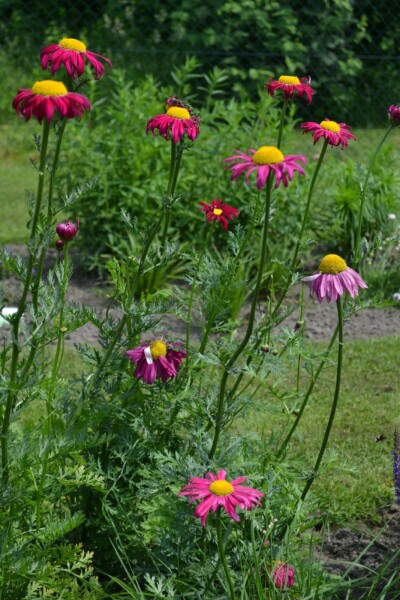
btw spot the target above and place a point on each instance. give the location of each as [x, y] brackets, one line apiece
[67, 231]
[59, 245]
[298, 325]
[283, 576]
[394, 114]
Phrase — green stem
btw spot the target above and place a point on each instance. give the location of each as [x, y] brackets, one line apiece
[221, 550]
[300, 331]
[194, 286]
[122, 323]
[176, 157]
[213, 312]
[283, 114]
[250, 325]
[61, 333]
[334, 403]
[295, 255]
[12, 393]
[306, 211]
[357, 256]
[38, 276]
[50, 396]
[308, 394]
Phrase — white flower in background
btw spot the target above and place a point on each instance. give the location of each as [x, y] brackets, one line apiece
[7, 311]
[396, 297]
[391, 216]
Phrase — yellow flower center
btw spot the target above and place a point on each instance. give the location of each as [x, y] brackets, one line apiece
[158, 348]
[72, 44]
[49, 88]
[332, 264]
[221, 487]
[289, 79]
[330, 126]
[268, 155]
[218, 211]
[178, 112]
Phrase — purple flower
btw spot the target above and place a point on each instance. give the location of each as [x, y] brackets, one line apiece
[67, 231]
[333, 279]
[396, 464]
[157, 360]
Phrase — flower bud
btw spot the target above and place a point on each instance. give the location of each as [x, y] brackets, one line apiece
[394, 114]
[283, 576]
[67, 231]
[298, 325]
[59, 245]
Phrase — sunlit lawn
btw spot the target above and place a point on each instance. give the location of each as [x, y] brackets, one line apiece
[356, 476]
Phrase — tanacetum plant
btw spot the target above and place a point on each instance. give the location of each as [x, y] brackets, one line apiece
[101, 444]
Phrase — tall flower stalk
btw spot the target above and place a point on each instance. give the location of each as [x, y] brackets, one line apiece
[243, 244]
[334, 403]
[175, 163]
[221, 551]
[303, 227]
[193, 289]
[176, 156]
[12, 391]
[52, 387]
[250, 324]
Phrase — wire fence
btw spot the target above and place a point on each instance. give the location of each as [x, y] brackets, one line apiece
[350, 48]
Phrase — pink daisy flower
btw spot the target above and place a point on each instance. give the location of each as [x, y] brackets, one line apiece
[291, 85]
[394, 114]
[263, 161]
[71, 54]
[176, 121]
[283, 576]
[216, 491]
[217, 211]
[45, 98]
[157, 360]
[335, 133]
[333, 279]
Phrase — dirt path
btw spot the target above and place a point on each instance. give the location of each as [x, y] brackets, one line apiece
[320, 319]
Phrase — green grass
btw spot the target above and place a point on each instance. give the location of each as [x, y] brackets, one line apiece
[72, 367]
[17, 175]
[355, 478]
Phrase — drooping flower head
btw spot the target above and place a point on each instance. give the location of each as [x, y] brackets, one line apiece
[48, 97]
[67, 231]
[290, 86]
[72, 54]
[217, 211]
[156, 360]
[335, 133]
[333, 279]
[215, 491]
[263, 161]
[394, 114]
[283, 576]
[177, 120]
